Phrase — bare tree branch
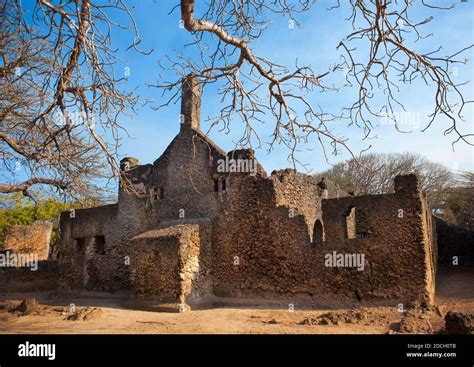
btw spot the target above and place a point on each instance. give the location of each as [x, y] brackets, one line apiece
[61, 97]
[253, 88]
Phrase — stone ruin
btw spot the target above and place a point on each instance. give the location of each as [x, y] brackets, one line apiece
[30, 239]
[25, 260]
[201, 227]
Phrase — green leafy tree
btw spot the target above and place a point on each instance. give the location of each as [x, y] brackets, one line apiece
[459, 206]
[18, 209]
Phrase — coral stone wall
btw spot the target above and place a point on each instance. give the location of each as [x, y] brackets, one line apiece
[24, 279]
[171, 264]
[393, 234]
[90, 257]
[30, 239]
[35, 272]
[299, 192]
[155, 267]
[261, 250]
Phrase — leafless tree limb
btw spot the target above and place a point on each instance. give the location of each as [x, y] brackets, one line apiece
[60, 97]
[254, 88]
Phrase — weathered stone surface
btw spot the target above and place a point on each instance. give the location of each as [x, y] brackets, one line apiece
[27, 306]
[23, 279]
[86, 314]
[32, 239]
[167, 266]
[459, 323]
[185, 231]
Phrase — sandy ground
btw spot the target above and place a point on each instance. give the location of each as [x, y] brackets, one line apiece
[455, 291]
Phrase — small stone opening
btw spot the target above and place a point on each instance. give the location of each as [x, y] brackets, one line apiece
[158, 193]
[349, 223]
[216, 185]
[99, 245]
[80, 246]
[318, 232]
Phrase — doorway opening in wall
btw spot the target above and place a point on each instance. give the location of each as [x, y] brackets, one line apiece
[99, 245]
[158, 193]
[79, 246]
[349, 223]
[318, 232]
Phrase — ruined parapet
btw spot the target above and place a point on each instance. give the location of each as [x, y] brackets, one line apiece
[409, 189]
[242, 154]
[407, 184]
[395, 234]
[190, 103]
[32, 239]
[168, 269]
[282, 173]
[133, 175]
[295, 190]
[239, 161]
[128, 163]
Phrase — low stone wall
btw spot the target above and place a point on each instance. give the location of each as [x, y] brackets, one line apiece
[89, 257]
[169, 265]
[23, 279]
[30, 239]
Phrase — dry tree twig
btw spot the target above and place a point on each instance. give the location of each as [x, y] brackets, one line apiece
[60, 96]
[253, 87]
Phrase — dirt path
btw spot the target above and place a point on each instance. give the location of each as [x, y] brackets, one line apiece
[455, 290]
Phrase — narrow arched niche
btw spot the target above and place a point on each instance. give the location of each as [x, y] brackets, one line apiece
[318, 232]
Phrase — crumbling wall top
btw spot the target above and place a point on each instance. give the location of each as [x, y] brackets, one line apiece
[406, 184]
[128, 163]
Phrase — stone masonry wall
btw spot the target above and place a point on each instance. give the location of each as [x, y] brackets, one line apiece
[392, 234]
[170, 265]
[23, 279]
[260, 251]
[30, 239]
[261, 243]
[87, 253]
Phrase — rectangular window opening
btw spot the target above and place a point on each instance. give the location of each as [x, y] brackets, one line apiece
[99, 245]
[80, 246]
[158, 193]
[349, 224]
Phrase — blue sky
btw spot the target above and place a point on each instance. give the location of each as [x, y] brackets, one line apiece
[314, 42]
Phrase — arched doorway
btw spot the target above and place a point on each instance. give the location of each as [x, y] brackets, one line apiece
[318, 232]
